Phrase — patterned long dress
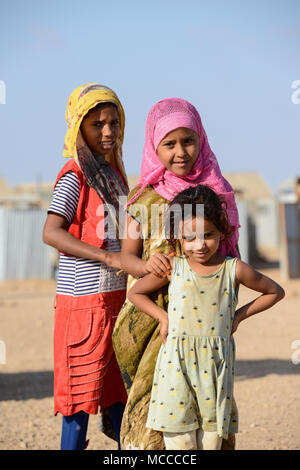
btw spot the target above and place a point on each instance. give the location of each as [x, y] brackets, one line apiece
[136, 336]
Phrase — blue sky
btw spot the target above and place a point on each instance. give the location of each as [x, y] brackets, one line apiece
[235, 60]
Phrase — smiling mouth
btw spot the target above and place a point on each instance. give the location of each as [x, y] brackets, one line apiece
[181, 163]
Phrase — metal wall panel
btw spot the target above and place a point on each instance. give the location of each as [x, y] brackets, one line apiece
[3, 233]
[290, 240]
[267, 226]
[243, 231]
[23, 255]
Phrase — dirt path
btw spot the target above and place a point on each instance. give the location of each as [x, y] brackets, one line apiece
[266, 388]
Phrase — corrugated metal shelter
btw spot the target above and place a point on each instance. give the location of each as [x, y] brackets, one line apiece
[23, 255]
[262, 209]
[289, 196]
[290, 240]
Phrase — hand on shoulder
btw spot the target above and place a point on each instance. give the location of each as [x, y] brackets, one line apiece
[160, 264]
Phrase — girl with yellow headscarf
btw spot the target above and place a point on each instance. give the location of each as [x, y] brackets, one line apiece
[83, 223]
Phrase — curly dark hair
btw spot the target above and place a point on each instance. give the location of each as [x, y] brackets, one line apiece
[215, 210]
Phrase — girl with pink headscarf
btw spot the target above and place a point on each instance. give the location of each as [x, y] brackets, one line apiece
[176, 156]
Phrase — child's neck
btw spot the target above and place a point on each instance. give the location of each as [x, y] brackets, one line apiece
[209, 266]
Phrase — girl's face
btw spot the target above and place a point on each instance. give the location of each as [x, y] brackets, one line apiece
[179, 150]
[100, 129]
[200, 239]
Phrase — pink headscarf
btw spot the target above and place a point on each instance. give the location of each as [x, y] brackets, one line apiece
[164, 117]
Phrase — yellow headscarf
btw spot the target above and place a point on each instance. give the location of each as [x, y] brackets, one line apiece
[81, 100]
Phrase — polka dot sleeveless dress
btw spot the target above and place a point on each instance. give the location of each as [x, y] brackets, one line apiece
[193, 379]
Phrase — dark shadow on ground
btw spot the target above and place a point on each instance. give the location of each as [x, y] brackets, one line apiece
[39, 384]
[251, 369]
[26, 385]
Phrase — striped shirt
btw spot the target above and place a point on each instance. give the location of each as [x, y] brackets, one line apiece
[80, 276]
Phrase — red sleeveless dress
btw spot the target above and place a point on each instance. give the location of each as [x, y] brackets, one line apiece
[86, 373]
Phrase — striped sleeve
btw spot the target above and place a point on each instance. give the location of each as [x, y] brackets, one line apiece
[66, 196]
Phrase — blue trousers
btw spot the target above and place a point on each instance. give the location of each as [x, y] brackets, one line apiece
[74, 427]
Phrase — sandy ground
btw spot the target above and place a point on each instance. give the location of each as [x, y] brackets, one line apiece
[266, 388]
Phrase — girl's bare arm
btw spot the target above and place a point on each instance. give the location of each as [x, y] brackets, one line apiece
[131, 253]
[271, 292]
[56, 234]
[139, 296]
[132, 247]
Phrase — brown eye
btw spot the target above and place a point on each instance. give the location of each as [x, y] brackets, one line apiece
[208, 235]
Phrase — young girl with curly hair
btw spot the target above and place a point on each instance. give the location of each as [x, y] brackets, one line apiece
[192, 400]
